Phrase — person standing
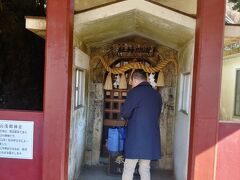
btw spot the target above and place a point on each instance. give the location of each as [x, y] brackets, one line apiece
[142, 110]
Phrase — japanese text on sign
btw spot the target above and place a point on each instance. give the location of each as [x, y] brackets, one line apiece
[16, 139]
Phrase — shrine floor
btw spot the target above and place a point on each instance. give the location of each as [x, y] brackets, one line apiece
[100, 173]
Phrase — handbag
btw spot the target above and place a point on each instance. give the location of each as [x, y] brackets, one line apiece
[116, 140]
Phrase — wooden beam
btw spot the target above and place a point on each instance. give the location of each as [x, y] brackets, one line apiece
[172, 9]
[206, 89]
[57, 89]
[110, 122]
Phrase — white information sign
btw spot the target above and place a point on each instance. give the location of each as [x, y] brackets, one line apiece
[16, 139]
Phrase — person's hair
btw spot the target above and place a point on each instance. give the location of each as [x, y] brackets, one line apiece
[139, 74]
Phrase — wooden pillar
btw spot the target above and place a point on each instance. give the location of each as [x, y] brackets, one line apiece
[206, 89]
[57, 89]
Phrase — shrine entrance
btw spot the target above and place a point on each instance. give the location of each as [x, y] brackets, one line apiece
[122, 54]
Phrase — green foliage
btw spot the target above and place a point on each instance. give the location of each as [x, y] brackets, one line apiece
[21, 56]
[236, 4]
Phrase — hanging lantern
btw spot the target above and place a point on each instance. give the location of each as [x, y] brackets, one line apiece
[160, 80]
[123, 82]
[108, 83]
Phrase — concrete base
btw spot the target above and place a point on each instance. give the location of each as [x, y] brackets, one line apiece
[100, 173]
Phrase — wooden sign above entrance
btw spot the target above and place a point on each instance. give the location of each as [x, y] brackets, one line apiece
[133, 50]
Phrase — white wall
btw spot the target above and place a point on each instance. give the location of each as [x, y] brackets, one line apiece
[230, 65]
[182, 125]
[78, 119]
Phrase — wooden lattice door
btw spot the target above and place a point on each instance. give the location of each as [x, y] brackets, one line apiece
[112, 103]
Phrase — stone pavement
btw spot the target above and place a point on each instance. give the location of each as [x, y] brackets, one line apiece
[100, 173]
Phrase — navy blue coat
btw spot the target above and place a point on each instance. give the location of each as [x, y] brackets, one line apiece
[142, 109]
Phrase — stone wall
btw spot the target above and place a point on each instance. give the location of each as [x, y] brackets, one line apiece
[95, 124]
[167, 120]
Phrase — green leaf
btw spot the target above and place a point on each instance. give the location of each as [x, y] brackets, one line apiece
[236, 5]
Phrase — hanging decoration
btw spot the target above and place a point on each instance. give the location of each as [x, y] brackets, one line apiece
[160, 79]
[135, 65]
[116, 81]
[123, 82]
[148, 80]
[152, 80]
[108, 82]
[130, 79]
